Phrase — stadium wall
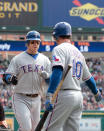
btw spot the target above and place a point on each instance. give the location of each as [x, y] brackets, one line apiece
[91, 120]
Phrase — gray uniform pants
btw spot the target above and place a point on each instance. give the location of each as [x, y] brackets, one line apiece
[27, 111]
[67, 112]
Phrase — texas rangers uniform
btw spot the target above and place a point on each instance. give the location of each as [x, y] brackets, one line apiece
[26, 97]
[68, 107]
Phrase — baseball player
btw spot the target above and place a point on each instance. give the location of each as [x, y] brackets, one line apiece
[26, 72]
[3, 123]
[66, 113]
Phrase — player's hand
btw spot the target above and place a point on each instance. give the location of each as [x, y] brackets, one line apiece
[98, 96]
[44, 74]
[48, 104]
[14, 80]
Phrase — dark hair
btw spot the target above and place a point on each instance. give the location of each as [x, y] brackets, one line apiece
[28, 41]
[65, 37]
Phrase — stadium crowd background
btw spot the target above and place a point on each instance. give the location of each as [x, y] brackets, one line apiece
[96, 67]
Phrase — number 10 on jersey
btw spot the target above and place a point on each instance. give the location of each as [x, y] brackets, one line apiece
[77, 69]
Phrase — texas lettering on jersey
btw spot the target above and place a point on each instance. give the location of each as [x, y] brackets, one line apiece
[31, 68]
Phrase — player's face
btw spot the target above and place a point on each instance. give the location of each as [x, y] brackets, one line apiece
[33, 46]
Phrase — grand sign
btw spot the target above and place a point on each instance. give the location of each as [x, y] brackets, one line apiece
[18, 12]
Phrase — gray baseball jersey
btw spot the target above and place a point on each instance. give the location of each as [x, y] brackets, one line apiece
[65, 54]
[69, 103]
[27, 69]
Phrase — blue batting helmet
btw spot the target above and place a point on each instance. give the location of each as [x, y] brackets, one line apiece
[62, 29]
[33, 35]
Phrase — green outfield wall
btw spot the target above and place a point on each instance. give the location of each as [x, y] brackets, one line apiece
[91, 120]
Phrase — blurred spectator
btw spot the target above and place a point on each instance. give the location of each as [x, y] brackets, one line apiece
[5, 91]
[96, 66]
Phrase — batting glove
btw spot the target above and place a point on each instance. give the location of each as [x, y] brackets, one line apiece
[6, 78]
[14, 80]
[98, 96]
[48, 104]
[10, 79]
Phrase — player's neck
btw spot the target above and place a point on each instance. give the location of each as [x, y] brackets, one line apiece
[60, 41]
[31, 52]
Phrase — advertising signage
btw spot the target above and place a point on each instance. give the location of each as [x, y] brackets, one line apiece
[79, 13]
[47, 46]
[42, 15]
[18, 12]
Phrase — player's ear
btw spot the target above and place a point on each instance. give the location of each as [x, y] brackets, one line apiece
[27, 43]
[38, 42]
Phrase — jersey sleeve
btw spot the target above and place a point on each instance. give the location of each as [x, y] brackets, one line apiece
[12, 68]
[58, 57]
[86, 73]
